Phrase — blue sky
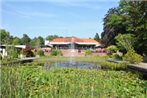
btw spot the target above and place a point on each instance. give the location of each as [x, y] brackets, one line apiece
[80, 18]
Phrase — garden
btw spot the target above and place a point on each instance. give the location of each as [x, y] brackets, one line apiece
[31, 80]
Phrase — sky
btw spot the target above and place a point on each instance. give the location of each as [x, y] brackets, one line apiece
[80, 18]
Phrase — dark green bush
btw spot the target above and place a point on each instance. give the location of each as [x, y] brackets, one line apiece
[56, 52]
[40, 52]
[132, 57]
[88, 52]
[1, 57]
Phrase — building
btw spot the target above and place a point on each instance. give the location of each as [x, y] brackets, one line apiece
[3, 51]
[72, 43]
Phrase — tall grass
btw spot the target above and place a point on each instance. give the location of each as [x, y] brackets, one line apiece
[34, 82]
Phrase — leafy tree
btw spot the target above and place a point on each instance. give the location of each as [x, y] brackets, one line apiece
[125, 41]
[25, 39]
[16, 41]
[97, 38]
[37, 41]
[41, 40]
[5, 36]
[112, 27]
[51, 37]
[128, 18]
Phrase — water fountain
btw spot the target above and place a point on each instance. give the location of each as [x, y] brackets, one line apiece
[72, 53]
[72, 63]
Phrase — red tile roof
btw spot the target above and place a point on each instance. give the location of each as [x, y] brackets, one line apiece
[74, 40]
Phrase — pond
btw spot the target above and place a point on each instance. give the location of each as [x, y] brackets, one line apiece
[81, 65]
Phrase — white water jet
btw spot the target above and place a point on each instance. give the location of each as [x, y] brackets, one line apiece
[72, 52]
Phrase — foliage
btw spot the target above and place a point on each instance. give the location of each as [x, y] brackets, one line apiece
[116, 56]
[40, 52]
[110, 31]
[11, 52]
[88, 52]
[5, 37]
[28, 51]
[113, 65]
[33, 82]
[1, 57]
[56, 52]
[128, 18]
[25, 39]
[132, 57]
[112, 48]
[37, 41]
[97, 38]
[51, 37]
[125, 41]
[16, 41]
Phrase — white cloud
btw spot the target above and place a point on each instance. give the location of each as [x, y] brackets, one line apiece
[92, 4]
[24, 13]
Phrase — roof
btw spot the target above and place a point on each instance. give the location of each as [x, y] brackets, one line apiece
[73, 40]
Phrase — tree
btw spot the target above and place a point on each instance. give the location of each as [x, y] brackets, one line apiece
[37, 41]
[125, 41]
[51, 37]
[128, 18]
[41, 40]
[97, 38]
[25, 39]
[112, 27]
[16, 41]
[5, 36]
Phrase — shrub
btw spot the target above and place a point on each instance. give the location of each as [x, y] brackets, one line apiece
[1, 57]
[132, 57]
[56, 52]
[40, 52]
[116, 56]
[113, 66]
[28, 51]
[111, 49]
[88, 52]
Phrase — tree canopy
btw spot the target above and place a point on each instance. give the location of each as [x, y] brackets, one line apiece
[97, 38]
[130, 17]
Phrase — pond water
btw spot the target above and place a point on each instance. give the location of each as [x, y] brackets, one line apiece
[81, 65]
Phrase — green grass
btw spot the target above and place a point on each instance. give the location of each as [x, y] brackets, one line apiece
[34, 82]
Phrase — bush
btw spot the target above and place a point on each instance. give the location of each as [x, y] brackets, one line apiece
[40, 52]
[28, 51]
[1, 57]
[116, 56]
[56, 52]
[132, 57]
[88, 52]
[112, 49]
[113, 66]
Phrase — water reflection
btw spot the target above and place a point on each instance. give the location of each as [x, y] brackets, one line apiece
[82, 65]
